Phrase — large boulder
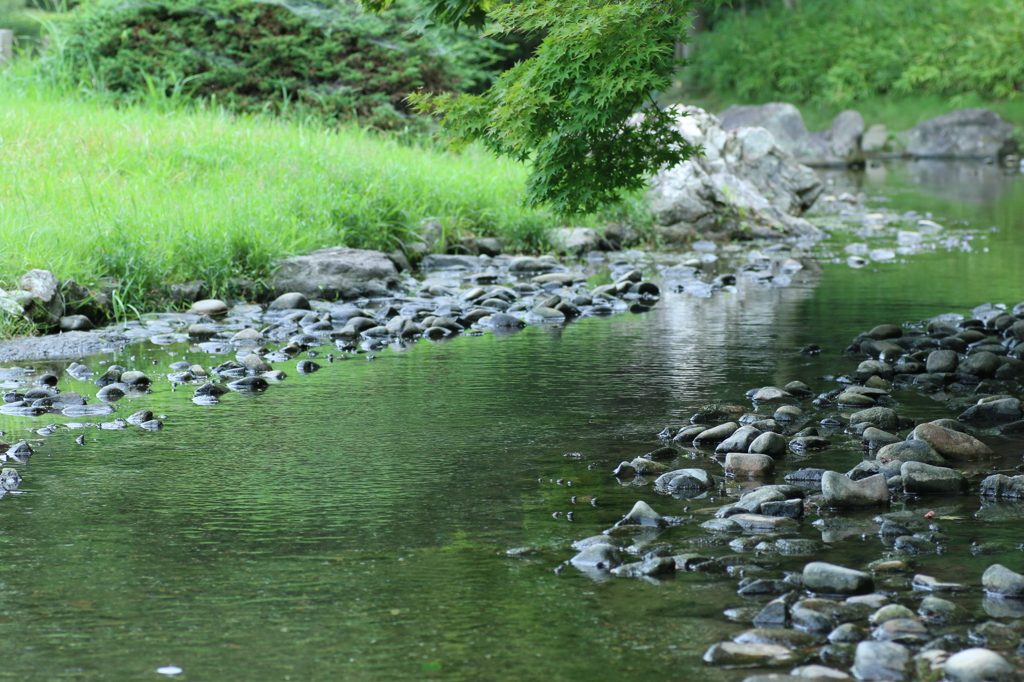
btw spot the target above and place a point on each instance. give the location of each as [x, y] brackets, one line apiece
[744, 185]
[962, 134]
[840, 145]
[337, 272]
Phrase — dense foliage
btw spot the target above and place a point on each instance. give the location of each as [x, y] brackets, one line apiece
[338, 62]
[839, 51]
[567, 109]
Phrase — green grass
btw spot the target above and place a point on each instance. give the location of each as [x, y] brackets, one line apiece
[148, 195]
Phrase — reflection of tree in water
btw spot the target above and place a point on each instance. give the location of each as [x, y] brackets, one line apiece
[964, 181]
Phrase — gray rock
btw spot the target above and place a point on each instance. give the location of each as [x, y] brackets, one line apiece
[772, 394]
[966, 133]
[47, 299]
[210, 307]
[978, 665]
[598, 556]
[910, 451]
[732, 653]
[759, 523]
[902, 630]
[752, 501]
[793, 509]
[135, 379]
[291, 300]
[981, 364]
[882, 417]
[337, 272]
[875, 139]
[839, 491]
[790, 639]
[247, 337]
[743, 184]
[642, 515]
[999, 581]
[781, 119]
[1000, 486]
[717, 434]
[768, 443]
[739, 440]
[888, 612]
[76, 323]
[942, 361]
[826, 578]
[942, 611]
[925, 479]
[953, 445]
[577, 240]
[659, 565]
[685, 480]
[881, 661]
[1004, 410]
[111, 393]
[845, 135]
[748, 465]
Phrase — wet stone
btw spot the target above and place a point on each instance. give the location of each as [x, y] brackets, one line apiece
[977, 665]
[902, 630]
[840, 491]
[910, 451]
[953, 445]
[747, 465]
[717, 434]
[881, 661]
[993, 411]
[732, 653]
[998, 580]
[925, 479]
[822, 577]
[882, 417]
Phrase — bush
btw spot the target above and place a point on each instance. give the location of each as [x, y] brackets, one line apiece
[841, 51]
[337, 63]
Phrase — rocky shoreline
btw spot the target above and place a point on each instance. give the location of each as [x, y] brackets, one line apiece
[879, 620]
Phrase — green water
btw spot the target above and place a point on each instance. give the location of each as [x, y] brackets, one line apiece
[353, 524]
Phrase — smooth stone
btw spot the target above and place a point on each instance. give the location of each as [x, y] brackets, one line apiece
[660, 565]
[793, 509]
[1004, 410]
[848, 399]
[726, 525]
[881, 661]
[925, 479]
[942, 611]
[790, 639]
[748, 465]
[768, 443]
[953, 445]
[646, 467]
[840, 491]
[998, 580]
[881, 417]
[888, 612]
[847, 633]
[685, 480]
[902, 630]
[819, 673]
[798, 546]
[978, 665]
[135, 379]
[942, 362]
[76, 323]
[739, 440]
[731, 653]
[716, 434]
[931, 584]
[982, 364]
[248, 336]
[787, 413]
[600, 557]
[758, 523]
[210, 307]
[111, 393]
[642, 515]
[770, 394]
[910, 451]
[752, 501]
[822, 577]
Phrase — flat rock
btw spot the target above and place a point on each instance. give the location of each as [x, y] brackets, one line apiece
[336, 273]
[1000, 486]
[993, 411]
[966, 133]
[925, 479]
[840, 491]
[953, 445]
[978, 665]
[998, 580]
[910, 451]
[758, 523]
[748, 465]
[881, 661]
[733, 653]
[822, 577]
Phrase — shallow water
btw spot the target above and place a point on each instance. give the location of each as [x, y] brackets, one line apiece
[353, 523]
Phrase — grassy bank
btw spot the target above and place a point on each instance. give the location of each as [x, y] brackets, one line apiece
[148, 195]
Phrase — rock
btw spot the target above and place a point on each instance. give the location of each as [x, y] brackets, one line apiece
[925, 479]
[210, 307]
[845, 135]
[819, 673]
[111, 393]
[743, 185]
[645, 467]
[953, 445]
[1003, 487]
[910, 451]
[888, 612]
[768, 443]
[942, 611]
[759, 523]
[337, 273]
[792, 509]
[716, 434]
[247, 337]
[748, 465]
[882, 417]
[642, 515]
[685, 481]
[772, 394]
[9, 478]
[875, 139]
[881, 661]
[47, 299]
[930, 584]
[902, 630]
[76, 323]
[826, 578]
[658, 565]
[731, 653]
[942, 361]
[249, 384]
[739, 440]
[135, 379]
[978, 665]
[999, 581]
[993, 411]
[839, 491]
[781, 119]
[777, 636]
[599, 556]
[966, 133]
[291, 300]
[577, 240]
[982, 364]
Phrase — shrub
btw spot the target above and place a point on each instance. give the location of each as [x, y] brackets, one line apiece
[338, 63]
[840, 51]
